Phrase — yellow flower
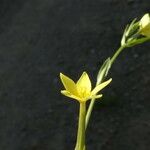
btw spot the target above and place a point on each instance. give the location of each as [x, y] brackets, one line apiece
[81, 90]
[145, 25]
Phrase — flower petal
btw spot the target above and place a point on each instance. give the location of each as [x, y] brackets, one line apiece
[69, 84]
[68, 94]
[98, 96]
[145, 25]
[84, 83]
[145, 20]
[101, 86]
[146, 31]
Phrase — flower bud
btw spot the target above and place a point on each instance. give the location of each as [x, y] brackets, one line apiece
[145, 25]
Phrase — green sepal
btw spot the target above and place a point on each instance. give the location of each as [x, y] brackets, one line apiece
[130, 32]
[137, 41]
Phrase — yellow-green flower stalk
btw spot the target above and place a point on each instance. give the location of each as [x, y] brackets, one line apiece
[137, 32]
[145, 25]
[131, 37]
[81, 91]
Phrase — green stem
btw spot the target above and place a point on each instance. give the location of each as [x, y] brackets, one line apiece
[90, 108]
[80, 145]
[116, 54]
[89, 111]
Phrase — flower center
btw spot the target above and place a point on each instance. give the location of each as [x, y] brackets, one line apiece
[83, 92]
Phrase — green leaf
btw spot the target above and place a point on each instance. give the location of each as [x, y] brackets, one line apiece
[103, 70]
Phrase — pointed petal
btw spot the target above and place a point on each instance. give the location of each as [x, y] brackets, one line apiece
[101, 86]
[96, 96]
[69, 84]
[84, 82]
[66, 93]
[145, 20]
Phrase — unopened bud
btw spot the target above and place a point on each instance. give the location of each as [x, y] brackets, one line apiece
[145, 25]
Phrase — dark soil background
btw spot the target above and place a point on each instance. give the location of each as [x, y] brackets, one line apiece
[41, 38]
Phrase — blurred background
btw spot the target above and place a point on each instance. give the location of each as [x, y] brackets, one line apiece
[41, 38]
